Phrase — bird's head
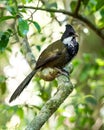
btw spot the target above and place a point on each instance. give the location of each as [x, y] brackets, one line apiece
[68, 35]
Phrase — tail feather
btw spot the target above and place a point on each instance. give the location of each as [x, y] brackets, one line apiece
[22, 86]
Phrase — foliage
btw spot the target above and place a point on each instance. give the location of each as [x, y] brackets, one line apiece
[83, 110]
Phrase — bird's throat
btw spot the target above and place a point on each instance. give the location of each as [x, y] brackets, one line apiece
[67, 41]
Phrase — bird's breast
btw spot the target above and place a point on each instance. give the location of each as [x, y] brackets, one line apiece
[73, 48]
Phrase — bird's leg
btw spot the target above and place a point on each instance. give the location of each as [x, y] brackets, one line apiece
[63, 71]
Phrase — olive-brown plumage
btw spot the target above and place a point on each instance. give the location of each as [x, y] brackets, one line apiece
[52, 56]
[56, 55]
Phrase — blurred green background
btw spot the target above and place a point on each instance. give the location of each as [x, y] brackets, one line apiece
[84, 108]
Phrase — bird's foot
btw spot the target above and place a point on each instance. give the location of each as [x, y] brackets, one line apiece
[63, 72]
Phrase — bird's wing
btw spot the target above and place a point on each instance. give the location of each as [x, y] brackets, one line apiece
[51, 53]
[50, 58]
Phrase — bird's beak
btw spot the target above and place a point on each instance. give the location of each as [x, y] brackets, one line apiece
[75, 35]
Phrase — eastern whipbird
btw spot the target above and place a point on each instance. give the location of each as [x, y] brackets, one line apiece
[56, 55]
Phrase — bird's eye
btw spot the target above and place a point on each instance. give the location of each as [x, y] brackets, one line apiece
[71, 33]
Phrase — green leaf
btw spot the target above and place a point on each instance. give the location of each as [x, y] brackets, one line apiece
[26, 1]
[60, 121]
[72, 119]
[100, 23]
[2, 88]
[23, 1]
[36, 25]
[6, 18]
[100, 4]
[76, 62]
[2, 84]
[86, 57]
[4, 39]
[43, 39]
[12, 10]
[90, 99]
[85, 2]
[51, 5]
[23, 27]
[2, 78]
[20, 112]
[38, 47]
[102, 12]
[91, 7]
[73, 5]
[100, 62]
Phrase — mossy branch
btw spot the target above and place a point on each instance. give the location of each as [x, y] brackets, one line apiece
[65, 87]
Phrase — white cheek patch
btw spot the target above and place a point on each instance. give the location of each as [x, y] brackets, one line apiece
[68, 41]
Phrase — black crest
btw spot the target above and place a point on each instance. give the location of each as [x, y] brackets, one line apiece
[68, 32]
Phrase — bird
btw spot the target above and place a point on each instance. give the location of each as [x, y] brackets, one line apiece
[56, 55]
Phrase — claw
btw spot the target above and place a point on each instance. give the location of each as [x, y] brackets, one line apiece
[63, 72]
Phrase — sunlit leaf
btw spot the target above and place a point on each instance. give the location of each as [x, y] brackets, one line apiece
[2, 78]
[85, 2]
[20, 112]
[102, 12]
[4, 39]
[23, 1]
[100, 23]
[72, 119]
[90, 99]
[43, 39]
[38, 47]
[26, 1]
[100, 4]
[51, 5]
[29, 1]
[2, 88]
[76, 62]
[36, 25]
[12, 10]
[2, 84]
[23, 27]
[73, 5]
[23, 10]
[91, 7]
[60, 121]
[100, 62]
[6, 18]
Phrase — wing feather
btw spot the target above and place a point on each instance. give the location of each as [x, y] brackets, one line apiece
[51, 53]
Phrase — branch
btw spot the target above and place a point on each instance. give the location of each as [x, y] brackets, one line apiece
[46, 9]
[28, 52]
[91, 26]
[64, 89]
[79, 17]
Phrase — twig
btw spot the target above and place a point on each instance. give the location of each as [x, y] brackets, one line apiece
[34, 10]
[79, 17]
